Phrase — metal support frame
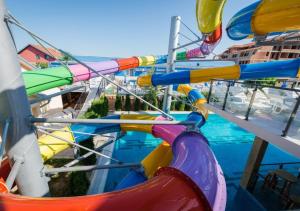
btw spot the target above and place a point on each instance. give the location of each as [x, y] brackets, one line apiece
[13, 173]
[91, 168]
[226, 96]
[85, 65]
[188, 44]
[78, 145]
[74, 132]
[26, 62]
[4, 138]
[121, 87]
[86, 155]
[173, 44]
[251, 103]
[210, 91]
[21, 140]
[48, 97]
[292, 117]
[110, 121]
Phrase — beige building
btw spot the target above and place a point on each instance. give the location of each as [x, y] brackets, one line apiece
[250, 53]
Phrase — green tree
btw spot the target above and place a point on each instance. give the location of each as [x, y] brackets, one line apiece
[79, 183]
[188, 107]
[127, 103]
[66, 58]
[151, 97]
[105, 105]
[137, 104]
[144, 105]
[118, 103]
[179, 105]
[91, 160]
[172, 106]
[42, 65]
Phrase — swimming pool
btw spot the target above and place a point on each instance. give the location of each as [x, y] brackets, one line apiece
[230, 143]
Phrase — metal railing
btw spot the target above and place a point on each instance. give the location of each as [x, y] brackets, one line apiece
[281, 102]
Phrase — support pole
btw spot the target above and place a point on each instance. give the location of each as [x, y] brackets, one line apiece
[292, 117]
[251, 103]
[173, 44]
[21, 140]
[210, 91]
[226, 96]
[255, 158]
[91, 168]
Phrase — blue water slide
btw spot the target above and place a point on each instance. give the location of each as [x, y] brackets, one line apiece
[285, 68]
[239, 26]
[87, 129]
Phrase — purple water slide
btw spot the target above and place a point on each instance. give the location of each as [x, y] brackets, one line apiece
[81, 73]
[193, 157]
[105, 67]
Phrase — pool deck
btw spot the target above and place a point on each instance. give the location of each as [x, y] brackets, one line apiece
[268, 130]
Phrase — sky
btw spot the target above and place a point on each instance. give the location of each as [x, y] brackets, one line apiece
[111, 28]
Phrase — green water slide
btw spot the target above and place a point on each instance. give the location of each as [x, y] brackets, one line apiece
[44, 79]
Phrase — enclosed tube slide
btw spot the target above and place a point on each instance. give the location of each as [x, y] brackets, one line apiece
[40, 80]
[209, 18]
[198, 177]
[286, 68]
[184, 172]
[265, 17]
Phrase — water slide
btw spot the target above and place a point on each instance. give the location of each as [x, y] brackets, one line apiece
[193, 169]
[265, 17]
[275, 69]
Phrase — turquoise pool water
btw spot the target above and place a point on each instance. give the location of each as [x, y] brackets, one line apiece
[230, 143]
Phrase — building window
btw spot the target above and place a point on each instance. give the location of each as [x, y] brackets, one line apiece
[47, 57]
[37, 56]
[234, 55]
[268, 53]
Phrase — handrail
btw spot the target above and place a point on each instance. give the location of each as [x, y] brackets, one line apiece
[256, 86]
[259, 85]
[276, 164]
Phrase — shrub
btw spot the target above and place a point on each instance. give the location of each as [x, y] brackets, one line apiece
[188, 107]
[105, 106]
[160, 103]
[91, 160]
[118, 103]
[172, 106]
[42, 65]
[79, 183]
[179, 105]
[137, 104]
[99, 108]
[151, 97]
[144, 105]
[127, 103]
